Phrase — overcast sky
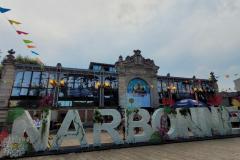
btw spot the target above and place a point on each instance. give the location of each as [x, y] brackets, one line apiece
[183, 37]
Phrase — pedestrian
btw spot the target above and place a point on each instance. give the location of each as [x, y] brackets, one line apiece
[36, 121]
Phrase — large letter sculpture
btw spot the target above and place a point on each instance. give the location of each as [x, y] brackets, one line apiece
[109, 127]
[79, 133]
[201, 116]
[24, 123]
[220, 120]
[130, 125]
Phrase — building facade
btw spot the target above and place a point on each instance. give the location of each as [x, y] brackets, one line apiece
[130, 82]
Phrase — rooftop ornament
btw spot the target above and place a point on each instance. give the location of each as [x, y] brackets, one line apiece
[10, 57]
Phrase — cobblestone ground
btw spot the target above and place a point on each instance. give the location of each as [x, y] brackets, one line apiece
[224, 149]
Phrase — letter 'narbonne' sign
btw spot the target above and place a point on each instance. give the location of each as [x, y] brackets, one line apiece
[202, 122]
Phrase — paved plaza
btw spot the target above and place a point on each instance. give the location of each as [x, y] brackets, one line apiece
[222, 149]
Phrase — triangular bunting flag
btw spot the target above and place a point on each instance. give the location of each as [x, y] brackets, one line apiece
[3, 10]
[21, 32]
[30, 46]
[27, 41]
[34, 53]
[13, 22]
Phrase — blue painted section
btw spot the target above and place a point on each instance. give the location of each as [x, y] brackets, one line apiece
[139, 92]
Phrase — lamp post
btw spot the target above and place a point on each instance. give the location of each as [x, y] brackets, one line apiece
[101, 84]
[171, 88]
[56, 83]
[196, 89]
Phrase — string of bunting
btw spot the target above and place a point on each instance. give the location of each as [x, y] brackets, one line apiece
[28, 43]
[227, 76]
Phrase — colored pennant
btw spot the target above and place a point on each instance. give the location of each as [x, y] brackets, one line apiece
[30, 46]
[14, 22]
[27, 41]
[34, 53]
[21, 32]
[3, 10]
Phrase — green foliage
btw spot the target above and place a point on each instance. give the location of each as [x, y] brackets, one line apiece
[129, 111]
[156, 137]
[170, 110]
[184, 111]
[97, 117]
[27, 60]
[14, 113]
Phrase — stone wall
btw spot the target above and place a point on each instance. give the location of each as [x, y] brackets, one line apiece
[6, 83]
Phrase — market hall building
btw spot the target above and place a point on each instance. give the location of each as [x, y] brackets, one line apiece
[131, 82]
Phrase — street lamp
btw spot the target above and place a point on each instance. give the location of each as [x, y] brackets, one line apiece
[101, 85]
[171, 88]
[57, 83]
[196, 89]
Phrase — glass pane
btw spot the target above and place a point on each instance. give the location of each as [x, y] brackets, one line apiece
[175, 85]
[24, 92]
[84, 83]
[77, 82]
[18, 79]
[35, 79]
[42, 92]
[188, 88]
[164, 85]
[52, 76]
[112, 69]
[96, 68]
[33, 92]
[50, 91]
[44, 80]
[16, 91]
[159, 86]
[114, 84]
[70, 82]
[181, 87]
[26, 79]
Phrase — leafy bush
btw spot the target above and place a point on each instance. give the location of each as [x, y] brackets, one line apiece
[97, 117]
[156, 137]
[170, 110]
[14, 113]
[27, 60]
[184, 111]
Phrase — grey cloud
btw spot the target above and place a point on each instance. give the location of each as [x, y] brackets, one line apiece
[183, 37]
